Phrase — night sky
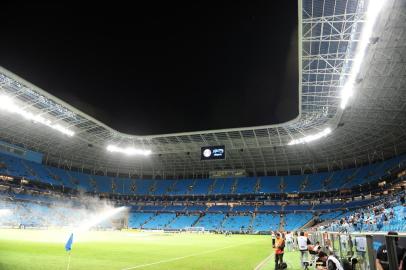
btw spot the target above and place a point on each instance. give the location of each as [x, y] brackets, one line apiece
[153, 68]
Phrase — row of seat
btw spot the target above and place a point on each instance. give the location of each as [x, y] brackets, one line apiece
[252, 208]
[209, 221]
[13, 166]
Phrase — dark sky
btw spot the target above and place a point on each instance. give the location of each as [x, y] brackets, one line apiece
[153, 68]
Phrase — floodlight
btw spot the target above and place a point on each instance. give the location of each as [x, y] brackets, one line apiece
[374, 7]
[7, 104]
[311, 138]
[130, 151]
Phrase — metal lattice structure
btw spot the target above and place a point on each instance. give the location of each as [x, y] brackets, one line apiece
[372, 127]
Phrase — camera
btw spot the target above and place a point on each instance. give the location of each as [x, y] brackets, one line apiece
[307, 265]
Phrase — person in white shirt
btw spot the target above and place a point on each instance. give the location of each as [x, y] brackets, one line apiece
[289, 241]
[303, 242]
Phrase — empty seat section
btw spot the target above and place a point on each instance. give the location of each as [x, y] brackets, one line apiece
[82, 181]
[175, 208]
[292, 183]
[266, 222]
[243, 208]
[136, 220]
[197, 208]
[355, 204]
[237, 223]
[143, 187]
[14, 167]
[339, 178]
[223, 186]
[270, 184]
[269, 208]
[210, 221]
[152, 208]
[127, 186]
[159, 221]
[162, 187]
[328, 206]
[219, 208]
[183, 221]
[103, 183]
[315, 182]
[41, 173]
[182, 187]
[297, 207]
[246, 185]
[296, 221]
[201, 187]
[62, 175]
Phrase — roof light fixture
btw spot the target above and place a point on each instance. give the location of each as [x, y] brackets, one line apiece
[311, 138]
[371, 15]
[129, 151]
[7, 104]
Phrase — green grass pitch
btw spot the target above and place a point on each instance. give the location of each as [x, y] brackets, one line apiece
[44, 249]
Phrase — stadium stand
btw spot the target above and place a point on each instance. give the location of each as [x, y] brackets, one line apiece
[159, 221]
[183, 221]
[238, 218]
[266, 223]
[237, 223]
[346, 178]
[137, 220]
[294, 221]
[211, 221]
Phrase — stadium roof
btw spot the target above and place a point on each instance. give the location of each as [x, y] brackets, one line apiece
[371, 127]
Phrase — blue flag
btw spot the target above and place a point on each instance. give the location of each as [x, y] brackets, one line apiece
[68, 245]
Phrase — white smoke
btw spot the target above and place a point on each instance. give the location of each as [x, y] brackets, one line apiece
[79, 213]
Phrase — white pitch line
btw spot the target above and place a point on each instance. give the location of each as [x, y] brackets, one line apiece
[263, 263]
[187, 256]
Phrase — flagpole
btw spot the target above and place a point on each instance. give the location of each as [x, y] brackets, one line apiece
[67, 268]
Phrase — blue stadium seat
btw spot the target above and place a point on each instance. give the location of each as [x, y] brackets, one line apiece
[162, 186]
[223, 186]
[246, 185]
[269, 208]
[182, 221]
[296, 221]
[159, 221]
[266, 222]
[270, 184]
[210, 221]
[237, 223]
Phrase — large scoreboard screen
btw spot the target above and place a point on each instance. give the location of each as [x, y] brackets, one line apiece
[213, 152]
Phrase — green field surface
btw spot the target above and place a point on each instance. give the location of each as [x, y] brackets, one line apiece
[44, 249]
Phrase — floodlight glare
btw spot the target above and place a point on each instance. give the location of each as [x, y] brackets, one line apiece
[311, 138]
[130, 151]
[8, 105]
[100, 217]
[374, 7]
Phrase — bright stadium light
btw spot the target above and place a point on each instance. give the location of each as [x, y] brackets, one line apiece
[311, 138]
[8, 105]
[374, 7]
[130, 151]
